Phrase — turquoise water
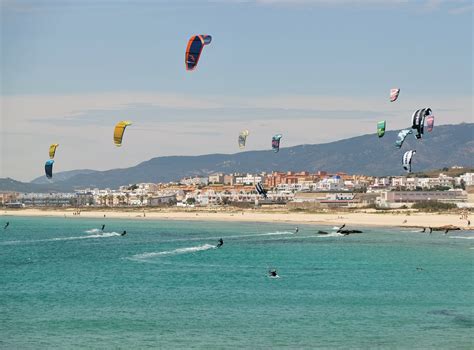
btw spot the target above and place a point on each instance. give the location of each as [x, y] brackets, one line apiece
[65, 284]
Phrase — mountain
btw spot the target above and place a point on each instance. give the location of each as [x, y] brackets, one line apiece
[8, 184]
[61, 176]
[446, 146]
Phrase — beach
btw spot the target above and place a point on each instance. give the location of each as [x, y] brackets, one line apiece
[353, 219]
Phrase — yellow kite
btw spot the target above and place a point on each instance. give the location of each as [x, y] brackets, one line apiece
[119, 130]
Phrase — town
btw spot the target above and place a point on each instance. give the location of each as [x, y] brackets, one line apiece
[295, 190]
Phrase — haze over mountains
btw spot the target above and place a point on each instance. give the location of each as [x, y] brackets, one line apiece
[446, 146]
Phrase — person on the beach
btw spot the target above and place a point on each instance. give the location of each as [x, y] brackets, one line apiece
[220, 243]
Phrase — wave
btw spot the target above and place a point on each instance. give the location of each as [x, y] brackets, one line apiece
[177, 251]
[462, 237]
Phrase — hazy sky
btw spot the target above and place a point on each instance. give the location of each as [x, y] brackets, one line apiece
[313, 70]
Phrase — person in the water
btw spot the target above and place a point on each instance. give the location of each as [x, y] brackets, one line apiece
[6, 225]
[123, 233]
[220, 243]
[296, 229]
[273, 273]
[103, 226]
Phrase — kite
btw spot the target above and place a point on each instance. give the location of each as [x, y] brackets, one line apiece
[119, 131]
[381, 128]
[418, 121]
[194, 50]
[430, 123]
[406, 161]
[276, 142]
[261, 190]
[402, 136]
[243, 138]
[48, 168]
[394, 94]
[52, 150]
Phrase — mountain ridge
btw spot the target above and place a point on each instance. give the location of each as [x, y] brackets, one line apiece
[446, 146]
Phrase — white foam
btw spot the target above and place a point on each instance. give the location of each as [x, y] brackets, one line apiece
[177, 251]
[277, 233]
[94, 230]
[462, 237]
[332, 234]
[101, 235]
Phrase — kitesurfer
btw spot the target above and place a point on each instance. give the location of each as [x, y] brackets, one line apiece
[424, 229]
[220, 243]
[103, 226]
[431, 230]
[6, 225]
[296, 229]
[273, 273]
[123, 233]
[340, 228]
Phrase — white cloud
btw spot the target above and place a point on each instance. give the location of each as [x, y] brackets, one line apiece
[189, 124]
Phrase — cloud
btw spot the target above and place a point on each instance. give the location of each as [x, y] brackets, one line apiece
[189, 124]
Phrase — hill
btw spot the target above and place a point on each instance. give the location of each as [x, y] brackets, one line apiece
[446, 146]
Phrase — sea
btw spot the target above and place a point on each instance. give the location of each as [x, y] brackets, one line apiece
[66, 284]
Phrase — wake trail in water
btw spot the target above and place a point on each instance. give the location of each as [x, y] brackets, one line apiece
[178, 251]
[101, 235]
[277, 233]
[93, 230]
[462, 237]
[332, 234]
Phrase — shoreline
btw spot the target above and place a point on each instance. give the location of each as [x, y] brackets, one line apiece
[380, 219]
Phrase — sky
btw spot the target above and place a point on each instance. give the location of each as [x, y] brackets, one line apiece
[315, 71]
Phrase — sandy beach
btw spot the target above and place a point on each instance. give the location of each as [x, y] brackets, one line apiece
[393, 219]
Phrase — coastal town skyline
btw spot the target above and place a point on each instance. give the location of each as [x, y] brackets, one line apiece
[70, 72]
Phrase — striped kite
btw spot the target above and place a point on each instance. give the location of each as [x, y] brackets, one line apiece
[406, 161]
[418, 121]
[394, 94]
